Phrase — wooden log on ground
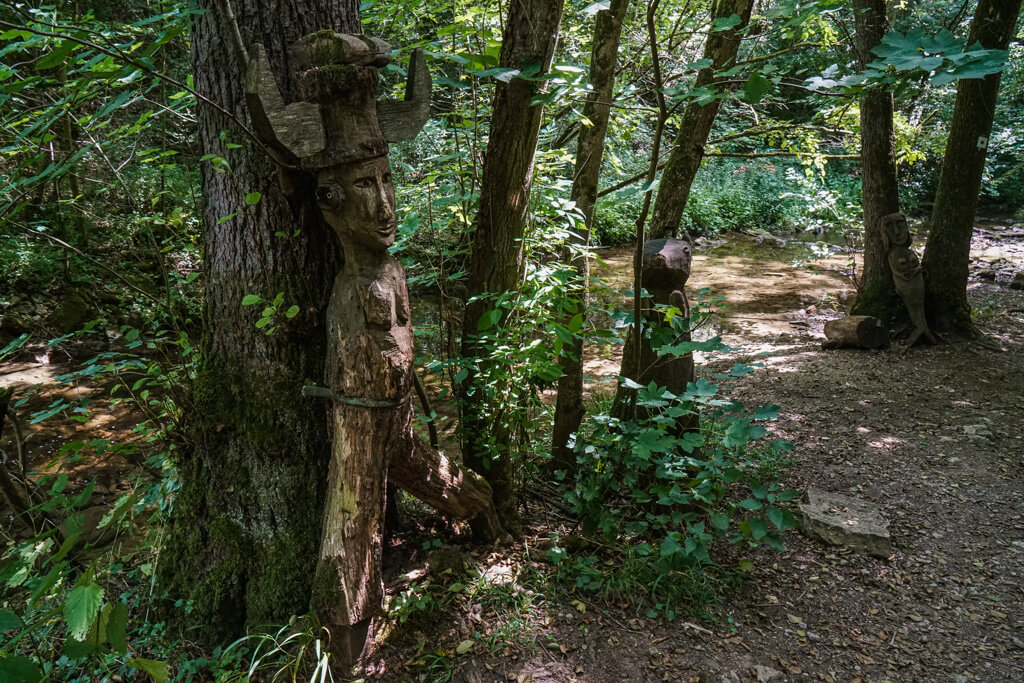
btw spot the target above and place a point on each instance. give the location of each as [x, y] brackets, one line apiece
[855, 332]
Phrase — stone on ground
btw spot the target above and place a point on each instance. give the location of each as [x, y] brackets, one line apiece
[845, 521]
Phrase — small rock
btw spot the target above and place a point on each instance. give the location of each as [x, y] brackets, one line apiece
[1018, 280]
[765, 674]
[845, 521]
[12, 323]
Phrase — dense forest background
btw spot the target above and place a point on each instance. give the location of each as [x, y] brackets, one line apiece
[108, 131]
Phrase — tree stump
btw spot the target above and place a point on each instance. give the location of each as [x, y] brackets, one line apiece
[855, 332]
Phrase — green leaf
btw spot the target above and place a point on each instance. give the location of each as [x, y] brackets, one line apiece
[719, 521]
[758, 528]
[117, 623]
[576, 323]
[81, 608]
[9, 620]
[251, 299]
[252, 198]
[750, 504]
[160, 671]
[19, 669]
[746, 565]
[755, 88]
[726, 23]
[781, 518]
[291, 312]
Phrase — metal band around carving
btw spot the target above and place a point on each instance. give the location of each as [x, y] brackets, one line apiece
[323, 392]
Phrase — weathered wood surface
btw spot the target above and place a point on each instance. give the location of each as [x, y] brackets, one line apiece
[855, 332]
[666, 268]
[906, 274]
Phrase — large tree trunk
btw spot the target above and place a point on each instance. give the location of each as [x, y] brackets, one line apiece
[496, 258]
[879, 190]
[589, 152]
[243, 541]
[688, 148]
[956, 201]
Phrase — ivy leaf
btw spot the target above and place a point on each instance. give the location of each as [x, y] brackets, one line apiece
[252, 198]
[251, 299]
[758, 528]
[81, 608]
[725, 23]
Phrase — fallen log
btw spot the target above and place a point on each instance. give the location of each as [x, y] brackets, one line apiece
[855, 332]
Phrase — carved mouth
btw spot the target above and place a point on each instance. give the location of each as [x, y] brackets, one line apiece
[388, 230]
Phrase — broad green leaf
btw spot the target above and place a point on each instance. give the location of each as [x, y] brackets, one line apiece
[9, 620]
[117, 623]
[758, 528]
[160, 671]
[81, 608]
[292, 312]
[251, 299]
[755, 88]
[252, 198]
[19, 669]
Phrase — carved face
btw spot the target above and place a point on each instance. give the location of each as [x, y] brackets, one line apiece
[896, 230]
[358, 201]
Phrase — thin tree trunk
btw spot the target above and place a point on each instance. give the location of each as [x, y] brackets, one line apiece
[496, 257]
[879, 190]
[589, 152]
[698, 119]
[244, 537]
[947, 253]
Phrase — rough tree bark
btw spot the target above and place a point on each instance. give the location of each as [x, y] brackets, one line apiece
[589, 152]
[688, 148]
[947, 252]
[243, 540]
[879, 190]
[496, 257]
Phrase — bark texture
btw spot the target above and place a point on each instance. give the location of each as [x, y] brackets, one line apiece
[496, 257]
[569, 409]
[688, 148]
[947, 252]
[879, 190]
[243, 540]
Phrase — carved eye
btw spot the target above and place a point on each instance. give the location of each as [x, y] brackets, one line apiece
[329, 196]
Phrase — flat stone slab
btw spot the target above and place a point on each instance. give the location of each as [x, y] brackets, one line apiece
[845, 521]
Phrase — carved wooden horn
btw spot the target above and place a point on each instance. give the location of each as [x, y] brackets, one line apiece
[306, 130]
[293, 131]
[403, 119]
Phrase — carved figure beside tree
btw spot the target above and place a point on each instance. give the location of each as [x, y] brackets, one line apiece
[340, 133]
[906, 274]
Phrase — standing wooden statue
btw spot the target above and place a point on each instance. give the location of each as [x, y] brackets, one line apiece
[666, 268]
[340, 134]
[906, 274]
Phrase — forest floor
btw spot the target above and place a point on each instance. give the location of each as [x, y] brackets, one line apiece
[933, 436]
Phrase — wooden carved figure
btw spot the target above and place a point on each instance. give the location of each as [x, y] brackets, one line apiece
[906, 274]
[666, 268]
[339, 134]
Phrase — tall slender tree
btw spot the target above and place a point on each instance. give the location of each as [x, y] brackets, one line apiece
[698, 118]
[947, 252]
[496, 257]
[879, 189]
[589, 153]
[243, 541]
